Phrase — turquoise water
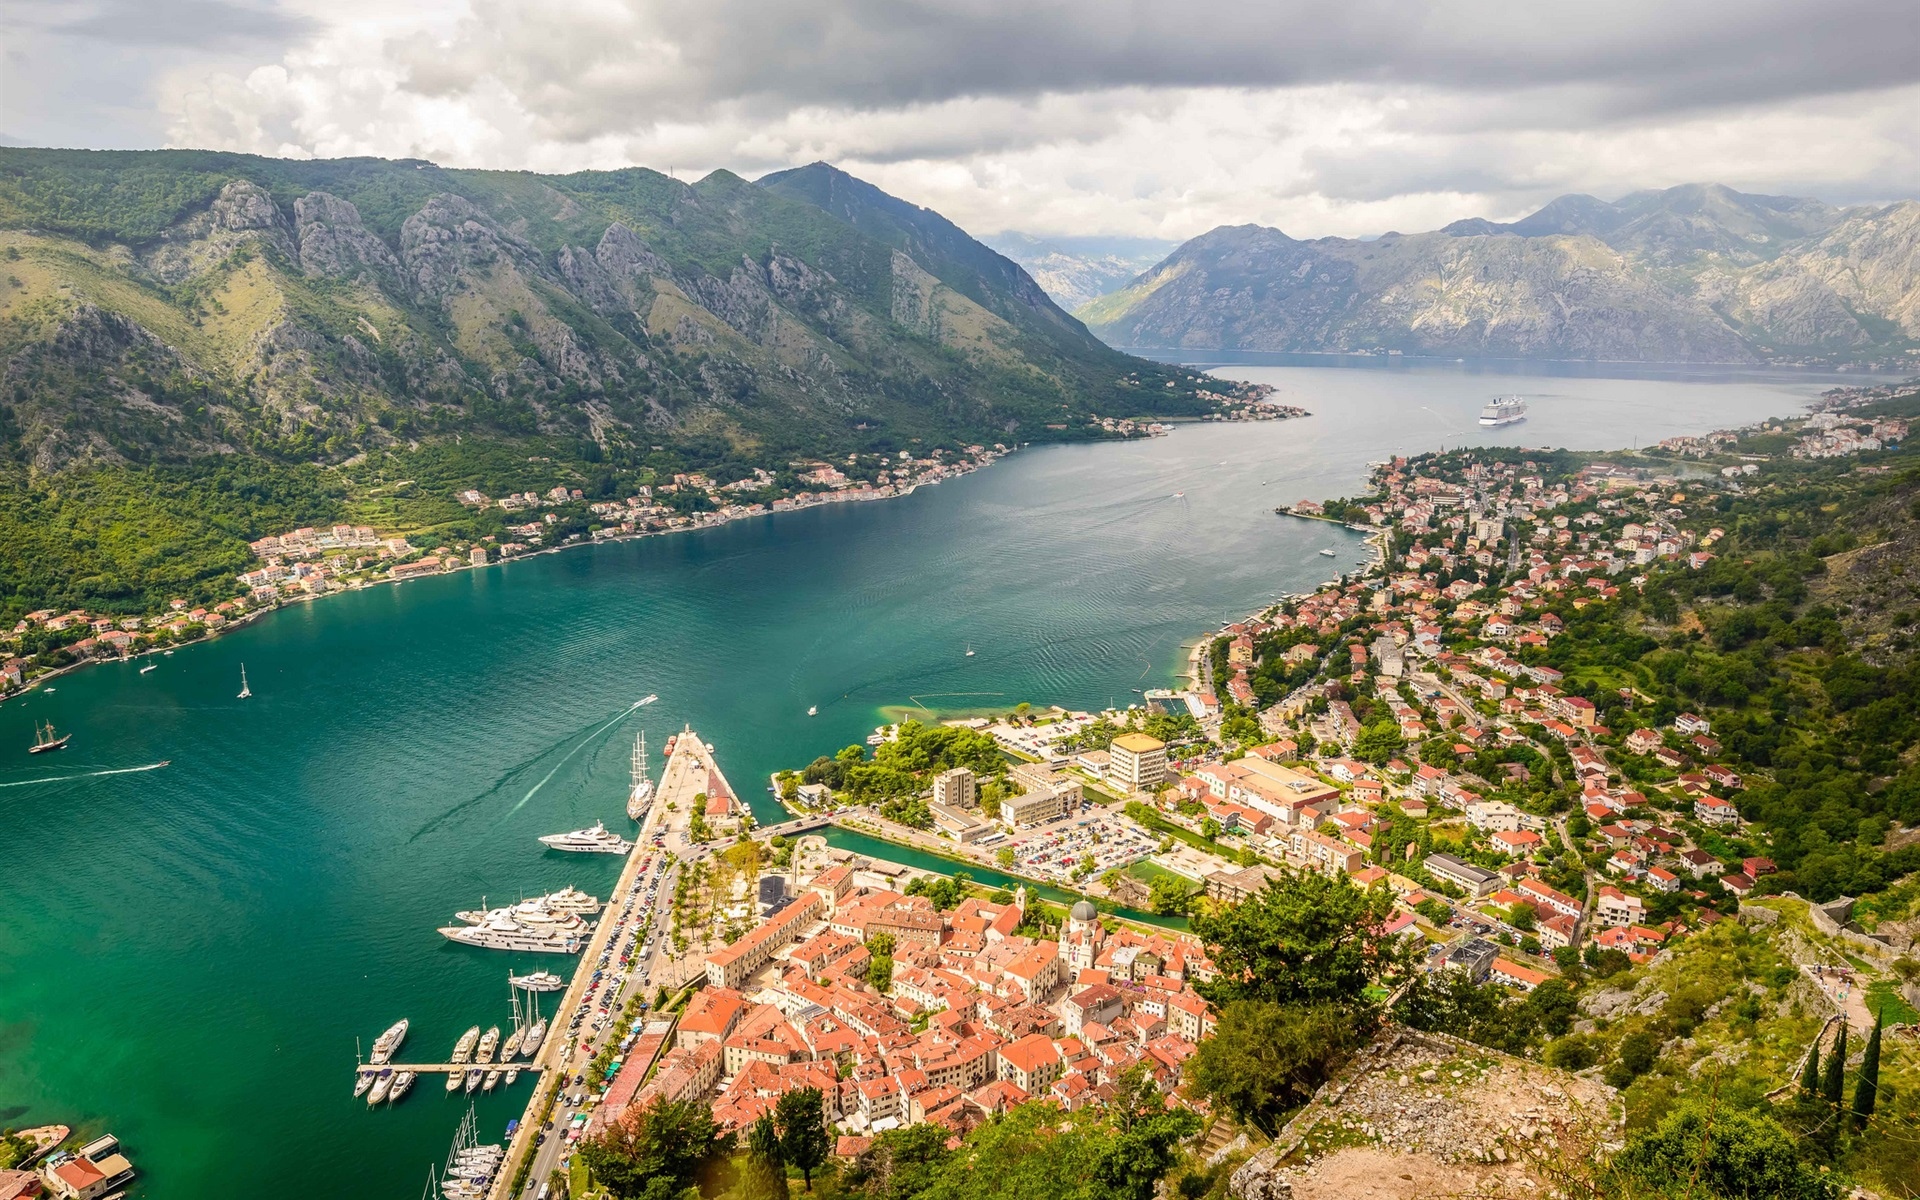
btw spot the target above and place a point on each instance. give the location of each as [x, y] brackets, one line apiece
[188, 954]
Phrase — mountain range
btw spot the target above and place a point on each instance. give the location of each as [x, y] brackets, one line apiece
[1697, 273]
[167, 305]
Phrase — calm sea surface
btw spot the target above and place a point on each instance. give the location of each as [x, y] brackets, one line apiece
[188, 954]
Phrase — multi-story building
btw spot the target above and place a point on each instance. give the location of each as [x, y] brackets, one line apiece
[1138, 763]
[731, 966]
[956, 788]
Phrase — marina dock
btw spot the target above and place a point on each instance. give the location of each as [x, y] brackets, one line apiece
[687, 773]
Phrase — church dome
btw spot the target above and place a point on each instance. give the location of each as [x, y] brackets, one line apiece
[1084, 911]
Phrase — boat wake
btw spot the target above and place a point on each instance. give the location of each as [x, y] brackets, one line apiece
[85, 775]
[518, 771]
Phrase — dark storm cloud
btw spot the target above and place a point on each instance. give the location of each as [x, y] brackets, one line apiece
[1638, 56]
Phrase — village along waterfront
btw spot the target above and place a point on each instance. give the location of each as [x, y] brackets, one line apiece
[188, 953]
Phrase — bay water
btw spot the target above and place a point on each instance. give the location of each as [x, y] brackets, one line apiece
[189, 953]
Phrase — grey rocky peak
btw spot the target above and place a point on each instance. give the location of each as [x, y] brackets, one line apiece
[333, 241]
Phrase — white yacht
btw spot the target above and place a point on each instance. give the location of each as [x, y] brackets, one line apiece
[596, 840]
[1503, 410]
[463, 1049]
[474, 1077]
[641, 797]
[513, 1073]
[539, 981]
[536, 1033]
[511, 1047]
[571, 900]
[402, 1082]
[491, 1081]
[362, 1080]
[387, 1043]
[380, 1087]
[453, 1081]
[489, 1042]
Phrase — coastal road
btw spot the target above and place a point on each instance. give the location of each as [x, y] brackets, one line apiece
[686, 774]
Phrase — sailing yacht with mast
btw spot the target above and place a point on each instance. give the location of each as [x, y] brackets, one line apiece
[641, 798]
[44, 739]
[245, 691]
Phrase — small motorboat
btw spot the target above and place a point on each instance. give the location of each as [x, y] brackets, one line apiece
[813, 710]
[402, 1082]
[362, 1080]
[149, 667]
[1328, 553]
[380, 1087]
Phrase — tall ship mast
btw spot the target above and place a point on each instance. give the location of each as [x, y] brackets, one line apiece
[641, 798]
[44, 740]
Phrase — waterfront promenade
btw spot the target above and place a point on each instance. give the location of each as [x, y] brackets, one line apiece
[688, 771]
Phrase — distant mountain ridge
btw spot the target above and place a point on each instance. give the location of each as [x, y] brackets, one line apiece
[1075, 270]
[159, 306]
[1696, 273]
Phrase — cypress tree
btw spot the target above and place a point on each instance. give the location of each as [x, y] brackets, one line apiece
[1810, 1077]
[1869, 1084]
[1833, 1089]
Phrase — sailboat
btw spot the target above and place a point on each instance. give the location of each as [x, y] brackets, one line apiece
[44, 740]
[245, 691]
[969, 649]
[641, 797]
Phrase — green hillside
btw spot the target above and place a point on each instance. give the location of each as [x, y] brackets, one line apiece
[181, 309]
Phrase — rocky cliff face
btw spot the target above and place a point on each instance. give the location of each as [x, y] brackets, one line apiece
[1693, 274]
[170, 304]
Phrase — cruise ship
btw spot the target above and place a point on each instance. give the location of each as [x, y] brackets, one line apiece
[1503, 410]
[501, 932]
[641, 797]
[597, 840]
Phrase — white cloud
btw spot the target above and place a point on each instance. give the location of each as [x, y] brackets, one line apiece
[1319, 116]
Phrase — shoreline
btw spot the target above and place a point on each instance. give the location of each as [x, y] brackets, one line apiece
[460, 567]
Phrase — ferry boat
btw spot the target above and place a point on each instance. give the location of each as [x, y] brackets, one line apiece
[44, 739]
[463, 1049]
[595, 840]
[402, 1082]
[641, 797]
[539, 981]
[1503, 410]
[387, 1043]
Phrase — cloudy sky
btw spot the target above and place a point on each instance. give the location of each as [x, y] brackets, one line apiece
[1052, 116]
